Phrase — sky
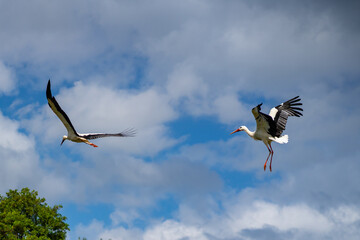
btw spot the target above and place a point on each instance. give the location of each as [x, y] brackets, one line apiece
[184, 74]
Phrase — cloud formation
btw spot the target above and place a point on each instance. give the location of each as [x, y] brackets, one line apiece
[251, 221]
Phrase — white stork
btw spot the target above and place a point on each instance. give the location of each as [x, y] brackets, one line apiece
[72, 134]
[270, 127]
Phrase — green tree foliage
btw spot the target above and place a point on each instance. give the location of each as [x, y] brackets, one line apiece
[25, 216]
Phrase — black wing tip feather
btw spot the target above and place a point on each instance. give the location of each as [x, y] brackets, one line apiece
[289, 107]
[129, 132]
[48, 90]
[295, 99]
[285, 110]
[296, 102]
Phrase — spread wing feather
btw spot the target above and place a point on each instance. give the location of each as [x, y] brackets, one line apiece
[275, 122]
[127, 133]
[59, 112]
[281, 113]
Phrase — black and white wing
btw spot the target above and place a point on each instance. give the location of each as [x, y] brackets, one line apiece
[263, 121]
[281, 113]
[127, 133]
[59, 112]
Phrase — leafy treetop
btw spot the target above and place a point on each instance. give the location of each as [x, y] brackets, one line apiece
[25, 216]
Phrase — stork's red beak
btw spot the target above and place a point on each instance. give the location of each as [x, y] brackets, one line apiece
[62, 142]
[237, 130]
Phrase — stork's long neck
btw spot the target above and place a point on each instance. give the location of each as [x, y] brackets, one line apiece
[250, 133]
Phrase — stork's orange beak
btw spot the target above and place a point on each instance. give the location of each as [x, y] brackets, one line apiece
[237, 130]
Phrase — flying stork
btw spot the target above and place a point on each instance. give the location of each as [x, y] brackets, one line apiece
[72, 134]
[270, 127]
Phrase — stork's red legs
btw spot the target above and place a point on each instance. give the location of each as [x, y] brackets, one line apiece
[271, 152]
[267, 160]
[87, 142]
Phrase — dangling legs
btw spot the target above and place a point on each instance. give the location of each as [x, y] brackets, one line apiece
[267, 157]
[87, 142]
[97, 146]
[272, 154]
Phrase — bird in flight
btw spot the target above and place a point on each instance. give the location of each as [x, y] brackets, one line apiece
[270, 127]
[72, 134]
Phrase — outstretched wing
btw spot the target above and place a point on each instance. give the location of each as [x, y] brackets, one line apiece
[127, 133]
[263, 121]
[59, 112]
[281, 113]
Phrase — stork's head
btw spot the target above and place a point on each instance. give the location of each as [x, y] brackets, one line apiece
[242, 128]
[64, 138]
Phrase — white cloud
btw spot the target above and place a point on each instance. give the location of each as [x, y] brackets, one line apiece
[193, 93]
[183, 83]
[21, 165]
[230, 109]
[91, 231]
[18, 160]
[10, 138]
[261, 214]
[127, 216]
[239, 153]
[345, 214]
[7, 79]
[134, 184]
[241, 219]
[173, 230]
[96, 230]
[121, 234]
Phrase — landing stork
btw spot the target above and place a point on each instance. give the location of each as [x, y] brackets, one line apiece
[270, 127]
[72, 134]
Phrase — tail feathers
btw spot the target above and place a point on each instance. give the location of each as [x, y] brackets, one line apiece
[282, 139]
